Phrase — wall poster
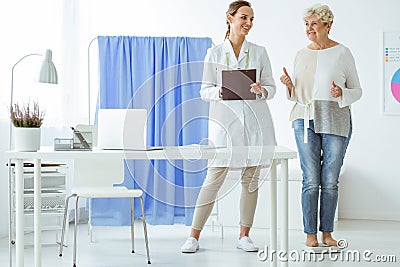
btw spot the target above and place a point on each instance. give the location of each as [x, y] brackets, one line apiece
[391, 73]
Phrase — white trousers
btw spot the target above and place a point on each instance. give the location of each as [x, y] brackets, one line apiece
[209, 191]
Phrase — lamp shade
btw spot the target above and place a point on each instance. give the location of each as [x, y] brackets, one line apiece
[48, 72]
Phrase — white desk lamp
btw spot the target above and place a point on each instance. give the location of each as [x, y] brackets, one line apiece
[47, 74]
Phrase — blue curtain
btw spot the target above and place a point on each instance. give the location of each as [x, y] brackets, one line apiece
[162, 75]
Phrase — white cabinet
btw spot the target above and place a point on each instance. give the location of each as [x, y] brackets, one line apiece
[53, 197]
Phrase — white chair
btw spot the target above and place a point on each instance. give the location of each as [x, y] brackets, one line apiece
[93, 129]
[96, 179]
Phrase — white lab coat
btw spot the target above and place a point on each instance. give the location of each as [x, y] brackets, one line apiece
[238, 122]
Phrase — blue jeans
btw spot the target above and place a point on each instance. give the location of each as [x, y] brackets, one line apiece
[321, 159]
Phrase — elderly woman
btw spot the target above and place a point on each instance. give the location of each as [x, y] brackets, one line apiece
[324, 85]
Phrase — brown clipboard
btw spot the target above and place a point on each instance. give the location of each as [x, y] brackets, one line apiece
[236, 84]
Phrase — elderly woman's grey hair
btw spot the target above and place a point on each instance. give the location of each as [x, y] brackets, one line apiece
[322, 12]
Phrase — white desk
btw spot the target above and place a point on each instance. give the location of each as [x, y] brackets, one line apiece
[281, 154]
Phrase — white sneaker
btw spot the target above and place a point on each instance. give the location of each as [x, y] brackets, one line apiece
[191, 245]
[246, 244]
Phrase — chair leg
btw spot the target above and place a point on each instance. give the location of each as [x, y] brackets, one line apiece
[133, 225]
[90, 228]
[64, 225]
[75, 231]
[145, 231]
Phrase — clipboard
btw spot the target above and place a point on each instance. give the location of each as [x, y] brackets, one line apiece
[236, 84]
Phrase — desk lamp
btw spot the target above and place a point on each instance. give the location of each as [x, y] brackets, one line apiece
[47, 74]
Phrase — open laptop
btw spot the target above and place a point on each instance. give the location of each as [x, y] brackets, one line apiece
[236, 84]
[122, 129]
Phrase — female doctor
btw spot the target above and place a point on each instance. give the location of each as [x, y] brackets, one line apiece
[235, 122]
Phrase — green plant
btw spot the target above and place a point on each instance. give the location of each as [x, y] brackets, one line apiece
[26, 115]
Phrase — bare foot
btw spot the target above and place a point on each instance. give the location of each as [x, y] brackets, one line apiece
[327, 239]
[312, 241]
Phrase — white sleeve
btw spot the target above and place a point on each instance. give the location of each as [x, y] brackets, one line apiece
[292, 96]
[266, 78]
[209, 89]
[352, 92]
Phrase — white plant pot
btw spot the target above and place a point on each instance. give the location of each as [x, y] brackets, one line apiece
[26, 139]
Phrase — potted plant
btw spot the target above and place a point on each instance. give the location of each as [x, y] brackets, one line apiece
[27, 120]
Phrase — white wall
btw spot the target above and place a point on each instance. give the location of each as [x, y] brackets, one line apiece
[4, 178]
[370, 182]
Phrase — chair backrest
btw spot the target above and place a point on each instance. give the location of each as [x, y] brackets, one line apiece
[98, 172]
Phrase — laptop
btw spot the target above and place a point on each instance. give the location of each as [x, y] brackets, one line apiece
[236, 84]
[122, 129]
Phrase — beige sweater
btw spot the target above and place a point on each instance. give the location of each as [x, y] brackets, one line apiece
[313, 73]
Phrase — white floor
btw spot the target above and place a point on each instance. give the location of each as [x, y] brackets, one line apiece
[373, 239]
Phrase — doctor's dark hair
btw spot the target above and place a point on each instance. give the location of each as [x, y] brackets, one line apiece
[233, 8]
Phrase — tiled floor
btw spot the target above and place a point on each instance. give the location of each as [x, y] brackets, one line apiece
[373, 240]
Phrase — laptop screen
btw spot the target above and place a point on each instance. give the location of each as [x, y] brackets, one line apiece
[122, 129]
